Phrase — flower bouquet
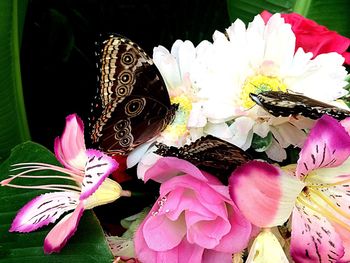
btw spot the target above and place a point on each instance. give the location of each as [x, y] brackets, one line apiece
[247, 136]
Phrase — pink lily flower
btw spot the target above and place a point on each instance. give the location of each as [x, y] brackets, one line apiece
[315, 191]
[87, 167]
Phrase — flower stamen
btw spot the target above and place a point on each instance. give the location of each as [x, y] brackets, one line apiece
[328, 202]
[326, 185]
[178, 128]
[321, 210]
[56, 187]
[33, 167]
[259, 83]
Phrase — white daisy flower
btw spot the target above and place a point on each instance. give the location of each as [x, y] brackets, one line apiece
[260, 58]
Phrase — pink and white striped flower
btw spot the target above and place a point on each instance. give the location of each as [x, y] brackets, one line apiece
[316, 191]
[87, 167]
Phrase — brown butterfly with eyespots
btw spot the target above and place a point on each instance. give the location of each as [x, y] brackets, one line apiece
[132, 104]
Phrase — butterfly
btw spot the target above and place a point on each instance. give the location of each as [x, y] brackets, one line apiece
[132, 104]
[283, 104]
[209, 153]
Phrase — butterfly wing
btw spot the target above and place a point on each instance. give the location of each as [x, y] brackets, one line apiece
[132, 104]
[210, 154]
[280, 103]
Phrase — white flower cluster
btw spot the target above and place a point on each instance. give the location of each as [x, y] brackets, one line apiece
[212, 82]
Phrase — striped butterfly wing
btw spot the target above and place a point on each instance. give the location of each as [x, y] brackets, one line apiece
[210, 154]
[283, 104]
[132, 104]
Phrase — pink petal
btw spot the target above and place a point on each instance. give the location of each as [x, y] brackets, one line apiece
[339, 196]
[211, 256]
[204, 232]
[265, 15]
[314, 238]
[162, 234]
[142, 251]
[183, 253]
[264, 193]
[182, 199]
[70, 148]
[205, 193]
[98, 167]
[44, 209]
[238, 237]
[205, 215]
[168, 167]
[328, 145]
[345, 237]
[346, 124]
[59, 235]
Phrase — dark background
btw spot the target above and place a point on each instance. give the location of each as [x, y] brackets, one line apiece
[57, 56]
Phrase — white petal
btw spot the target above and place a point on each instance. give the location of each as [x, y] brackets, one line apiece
[147, 161]
[185, 57]
[168, 67]
[276, 152]
[237, 31]
[197, 117]
[242, 130]
[219, 110]
[98, 167]
[220, 130]
[261, 129]
[44, 209]
[287, 134]
[280, 41]
[326, 70]
[135, 156]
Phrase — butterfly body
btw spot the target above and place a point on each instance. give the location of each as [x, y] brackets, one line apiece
[208, 153]
[132, 104]
[283, 104]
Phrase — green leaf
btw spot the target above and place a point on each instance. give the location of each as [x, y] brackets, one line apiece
[261, 144]
[87, 245]
[14, 127]
[332, 14]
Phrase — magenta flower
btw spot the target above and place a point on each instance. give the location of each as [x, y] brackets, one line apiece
[88, 168]
[193, 220]
[316, 191]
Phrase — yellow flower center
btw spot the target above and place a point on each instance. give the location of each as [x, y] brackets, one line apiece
[259, 83]
[178, 127]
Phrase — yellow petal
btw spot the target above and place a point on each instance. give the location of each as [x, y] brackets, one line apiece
[108, 192]
[266, 249]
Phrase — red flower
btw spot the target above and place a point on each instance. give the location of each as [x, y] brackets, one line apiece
[313, 37]
[120, 174]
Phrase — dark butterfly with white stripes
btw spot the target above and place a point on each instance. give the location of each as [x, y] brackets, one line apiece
[209, 153]
[132, 104]
[283, 104]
